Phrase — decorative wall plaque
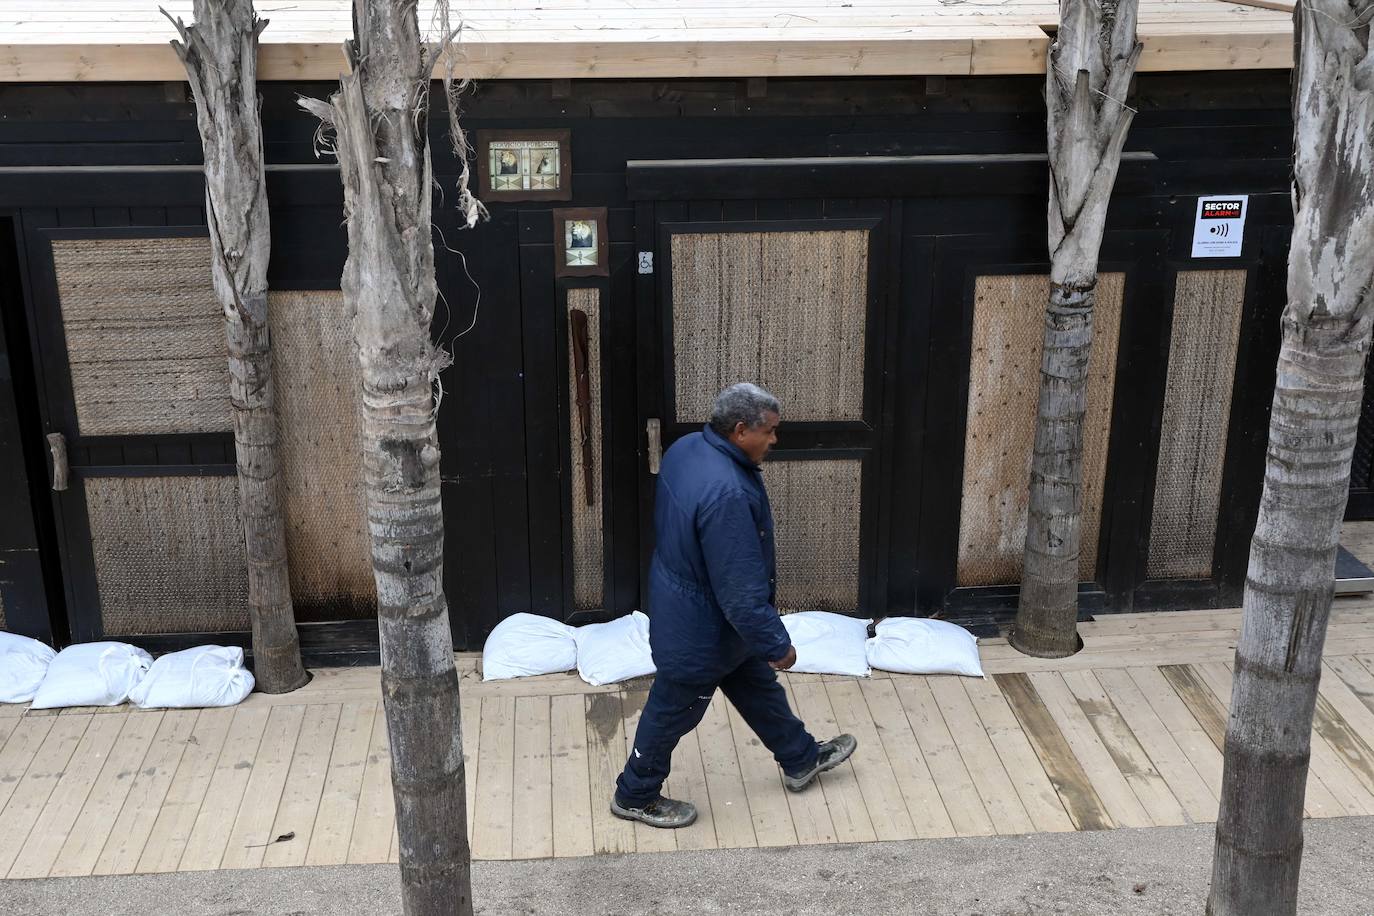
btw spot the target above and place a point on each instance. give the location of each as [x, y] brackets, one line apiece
[580, 243]
[525, 164]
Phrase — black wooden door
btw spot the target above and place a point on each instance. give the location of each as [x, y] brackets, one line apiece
[972, 457]
[793, 295]
[131, 358]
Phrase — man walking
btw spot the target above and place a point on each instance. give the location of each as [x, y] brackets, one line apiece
[711, 602]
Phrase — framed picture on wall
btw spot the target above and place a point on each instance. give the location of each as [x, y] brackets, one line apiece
[524, 164]
[580, 243]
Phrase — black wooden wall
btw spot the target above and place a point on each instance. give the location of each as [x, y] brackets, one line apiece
[124, 155]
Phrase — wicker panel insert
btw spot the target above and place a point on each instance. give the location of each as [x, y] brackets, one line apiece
[589, 559]
[785, 309]
[169, 554]
[2, 612]
[145, 336]
[1197, 414]
[1004, 380]
[817, 514]
[318, 390]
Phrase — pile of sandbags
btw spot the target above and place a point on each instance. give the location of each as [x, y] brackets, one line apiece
[112, 673]
[835, 644]
[524, 645]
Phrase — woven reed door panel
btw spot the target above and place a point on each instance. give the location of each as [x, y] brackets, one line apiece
[787, 310]
[816, 513]
[144, 336]
[169, 554]
[1197, 412]
[318, 392]
[588, 529]
[1004, 378]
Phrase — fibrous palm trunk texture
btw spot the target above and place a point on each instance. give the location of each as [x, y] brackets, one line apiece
[1090, 66]
[1312, 431]
[220, 53]
[380, 123]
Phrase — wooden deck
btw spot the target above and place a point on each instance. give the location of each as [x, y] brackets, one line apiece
[1128, 733]
[126, 40]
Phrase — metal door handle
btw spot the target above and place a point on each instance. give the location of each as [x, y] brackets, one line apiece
[57, 445]
[655, 431]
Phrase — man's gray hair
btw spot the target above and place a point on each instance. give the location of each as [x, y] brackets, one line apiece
[745, 403]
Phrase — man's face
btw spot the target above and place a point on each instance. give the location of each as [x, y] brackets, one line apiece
[755, 441]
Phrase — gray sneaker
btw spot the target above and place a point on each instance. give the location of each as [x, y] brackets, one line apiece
[661, 812]
[833, 753]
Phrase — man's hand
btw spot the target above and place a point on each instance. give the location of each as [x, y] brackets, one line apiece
[787, 661]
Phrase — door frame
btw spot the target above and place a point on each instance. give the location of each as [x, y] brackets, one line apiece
[958, 262]
[867, 439]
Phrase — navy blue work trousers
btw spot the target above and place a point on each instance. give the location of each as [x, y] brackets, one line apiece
[674, 709]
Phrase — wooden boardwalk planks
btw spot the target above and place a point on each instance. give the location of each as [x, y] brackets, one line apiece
[99, 814]
[1085, 746]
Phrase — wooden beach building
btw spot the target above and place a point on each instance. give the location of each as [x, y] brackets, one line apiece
[844, 201]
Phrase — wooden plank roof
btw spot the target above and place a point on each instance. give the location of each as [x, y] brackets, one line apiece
[126, 40]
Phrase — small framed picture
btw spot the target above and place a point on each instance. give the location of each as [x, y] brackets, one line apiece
[580, 243]
[525, 164]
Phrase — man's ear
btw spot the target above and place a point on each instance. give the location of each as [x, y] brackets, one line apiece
[740, 427]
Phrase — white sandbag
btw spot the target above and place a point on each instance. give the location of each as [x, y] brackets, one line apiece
[828, 643]
[23, 663]
[92, 674]
[913, 645]
[608, 653]
[194, 679]
[523, 645]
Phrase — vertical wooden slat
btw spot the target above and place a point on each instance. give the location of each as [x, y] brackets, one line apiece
[572, 829]
[534, 809]
[491, 833]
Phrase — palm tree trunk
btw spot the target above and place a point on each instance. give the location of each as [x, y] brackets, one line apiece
[1088, 74]
[380, 121]
[220, 54]
[1312, 431]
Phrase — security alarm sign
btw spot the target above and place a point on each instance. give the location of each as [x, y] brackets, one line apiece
[1219, 230]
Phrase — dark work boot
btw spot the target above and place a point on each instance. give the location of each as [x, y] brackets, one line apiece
[661, 812]
[833, 753]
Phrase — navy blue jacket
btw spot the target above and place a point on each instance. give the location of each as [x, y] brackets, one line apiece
[712, 582]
